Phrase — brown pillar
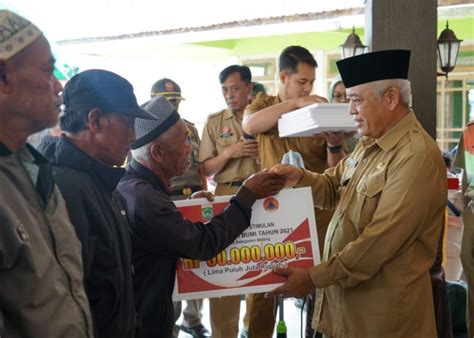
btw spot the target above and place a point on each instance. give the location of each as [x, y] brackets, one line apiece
[409, 24]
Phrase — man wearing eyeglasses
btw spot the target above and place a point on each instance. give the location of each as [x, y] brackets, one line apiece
[389, 197]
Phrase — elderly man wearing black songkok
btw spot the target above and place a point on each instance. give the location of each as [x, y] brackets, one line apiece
[390, 199]
[159, 233]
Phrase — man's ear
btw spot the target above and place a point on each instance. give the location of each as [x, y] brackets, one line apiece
[94, 120]
[156, 152]
[250, 87]
[283, 76]
[249, 91]
[393, 97]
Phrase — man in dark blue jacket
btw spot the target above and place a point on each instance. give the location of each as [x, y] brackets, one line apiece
[159, 233]
[100, 109]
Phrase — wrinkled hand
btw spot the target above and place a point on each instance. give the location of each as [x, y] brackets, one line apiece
[304, 101]
[299, 283]
[336, 138]
[264, 184]
[242, 148]
[203, 194]
[291, 174]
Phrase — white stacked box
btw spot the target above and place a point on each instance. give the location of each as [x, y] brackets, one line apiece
[315, 119]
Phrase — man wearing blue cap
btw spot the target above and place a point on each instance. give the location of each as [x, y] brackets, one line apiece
[160, 235]
[390, 199]
[41, 280]
[99, 112]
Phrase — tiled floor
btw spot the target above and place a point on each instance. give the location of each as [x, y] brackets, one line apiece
[292, 319]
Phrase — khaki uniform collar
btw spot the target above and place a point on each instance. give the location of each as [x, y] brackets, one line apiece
[228, 114]
[388, 140]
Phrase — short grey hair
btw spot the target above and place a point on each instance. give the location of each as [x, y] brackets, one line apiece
[404, 87]
[142, 154]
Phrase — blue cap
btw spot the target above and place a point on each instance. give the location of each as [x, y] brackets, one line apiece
[98, 88]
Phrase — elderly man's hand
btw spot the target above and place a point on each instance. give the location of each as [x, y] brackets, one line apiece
[203, 194]
[264, 184]
[299, 283]
[290, 173]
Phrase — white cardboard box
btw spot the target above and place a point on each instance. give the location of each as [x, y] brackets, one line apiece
[315, 119]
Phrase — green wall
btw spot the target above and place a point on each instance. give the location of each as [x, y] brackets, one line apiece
[463, 27]
[275, 44]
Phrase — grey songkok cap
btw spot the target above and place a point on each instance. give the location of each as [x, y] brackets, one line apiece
[16, 33]
[165, 117]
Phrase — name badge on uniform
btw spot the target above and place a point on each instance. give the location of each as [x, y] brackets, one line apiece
[351, 162]
[225, 132]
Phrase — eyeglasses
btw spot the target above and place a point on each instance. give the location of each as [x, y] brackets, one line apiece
[340, 96]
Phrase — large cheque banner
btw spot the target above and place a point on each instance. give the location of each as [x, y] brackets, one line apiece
[282, 232]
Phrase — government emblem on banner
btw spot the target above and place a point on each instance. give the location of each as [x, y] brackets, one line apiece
[271, 204]
[207, 213]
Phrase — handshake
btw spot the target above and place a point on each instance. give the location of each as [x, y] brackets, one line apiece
[269, 182]
[266, 182]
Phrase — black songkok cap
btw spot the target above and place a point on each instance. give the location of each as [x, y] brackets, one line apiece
[375, 66]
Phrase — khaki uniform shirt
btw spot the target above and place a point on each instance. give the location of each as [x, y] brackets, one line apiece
[391, 198]
[272, 147]
[222, 130]
[191, 176]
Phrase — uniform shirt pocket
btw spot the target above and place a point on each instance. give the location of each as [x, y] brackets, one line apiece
[224, 142]
[346, 180]
[367, 197]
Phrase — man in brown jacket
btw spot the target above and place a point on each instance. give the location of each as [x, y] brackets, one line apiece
[41, 290]
[390, 198]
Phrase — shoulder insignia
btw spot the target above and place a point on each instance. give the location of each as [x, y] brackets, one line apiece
[216, 114]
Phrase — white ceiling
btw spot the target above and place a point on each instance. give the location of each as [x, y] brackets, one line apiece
[70, 19]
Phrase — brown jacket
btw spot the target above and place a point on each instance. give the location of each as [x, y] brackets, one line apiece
[41, 290]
